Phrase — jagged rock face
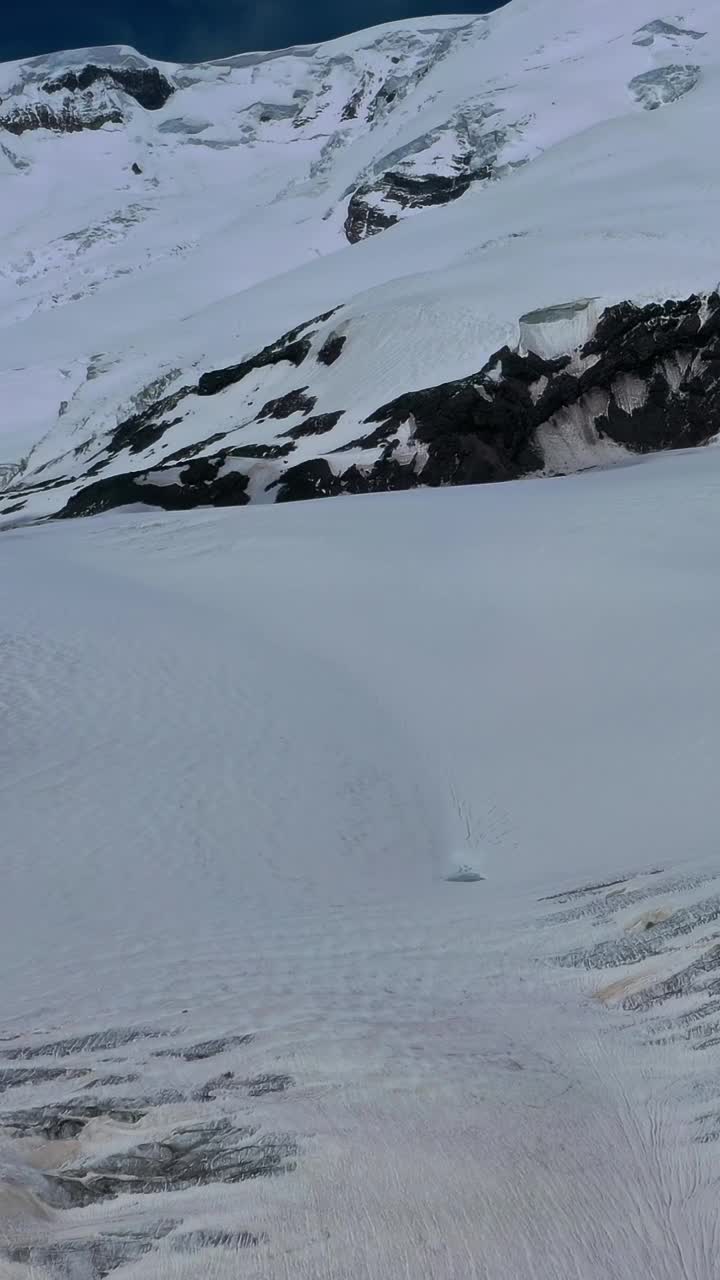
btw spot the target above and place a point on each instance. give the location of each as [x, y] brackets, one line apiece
[145, 84]
[326, 100]
[69, 118]
[647, 378]
[364, 219]
[435, 169]
[478, 132]
[367, 209]
[88, 100]
[198, 484]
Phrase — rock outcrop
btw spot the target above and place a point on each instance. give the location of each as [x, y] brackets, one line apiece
[87, 99]
[637, 379]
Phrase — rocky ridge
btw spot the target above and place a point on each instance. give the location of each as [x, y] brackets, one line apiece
[644, 379]
[424, 190]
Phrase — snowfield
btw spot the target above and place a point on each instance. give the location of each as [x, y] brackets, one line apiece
[245, 752]
[359, 881]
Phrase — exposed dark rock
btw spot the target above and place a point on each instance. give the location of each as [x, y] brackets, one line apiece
[331, 349]
[381, 477]
[317, 426]
[145, 84]
[190, 451]
[649, 379]
[485, 427]
[352, 106]
[422, 191]
[217, 380]
[94, 1042]
[137, 486]
[285, 406]
[478, 430]
[368, 212]
[142, 429]
[41, 486]
[201, 471]
[138, 436]
[293, 346]
[387, 94]
[65, 120]
[365, 219]
[206, 1048]
[313, 479]
[261, 450]
[136, 168]
[381, 435]
[206, 1152]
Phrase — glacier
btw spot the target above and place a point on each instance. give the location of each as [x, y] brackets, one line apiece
[359, 890]
[246, 753]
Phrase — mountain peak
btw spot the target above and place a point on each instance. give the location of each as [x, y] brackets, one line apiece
[427, 182]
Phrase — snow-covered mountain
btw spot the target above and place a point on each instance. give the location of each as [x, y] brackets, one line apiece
[445, 250]
[359, 884]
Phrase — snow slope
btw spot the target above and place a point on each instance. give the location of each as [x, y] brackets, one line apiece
[359, 880]
[563, 143]
[245, 751]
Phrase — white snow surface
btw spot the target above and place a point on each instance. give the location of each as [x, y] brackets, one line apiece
[598, 119]
[244, 750]
[313, 773]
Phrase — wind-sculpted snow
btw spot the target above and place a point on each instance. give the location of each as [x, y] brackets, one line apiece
[383, 937]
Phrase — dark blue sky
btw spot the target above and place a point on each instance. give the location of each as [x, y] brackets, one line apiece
[183, 30]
